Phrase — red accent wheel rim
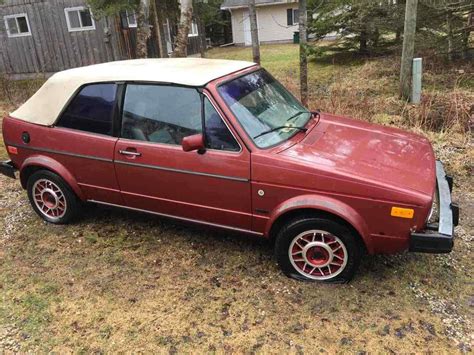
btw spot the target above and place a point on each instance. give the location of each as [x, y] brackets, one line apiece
[49, 199]
[318, 254]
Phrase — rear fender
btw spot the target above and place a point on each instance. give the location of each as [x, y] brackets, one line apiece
[326, 204]
[56, 167]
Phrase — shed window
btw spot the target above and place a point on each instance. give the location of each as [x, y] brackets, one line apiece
[17, 25]
[91, 110]
[292, 16]
[128, 19]
[79, 19]
[131, 18]
[193, 30]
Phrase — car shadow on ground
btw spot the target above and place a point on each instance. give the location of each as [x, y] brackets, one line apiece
[372, 266]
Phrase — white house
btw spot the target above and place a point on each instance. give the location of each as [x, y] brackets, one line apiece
[277, 20]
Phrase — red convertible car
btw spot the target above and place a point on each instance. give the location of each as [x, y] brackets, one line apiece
[224, 144]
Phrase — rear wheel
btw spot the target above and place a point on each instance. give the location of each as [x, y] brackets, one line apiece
[317, 249]
[51, 197]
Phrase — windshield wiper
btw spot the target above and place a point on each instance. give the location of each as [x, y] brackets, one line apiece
[296, 115]
[278, 128]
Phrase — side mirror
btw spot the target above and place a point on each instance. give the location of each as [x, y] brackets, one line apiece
[194, 142]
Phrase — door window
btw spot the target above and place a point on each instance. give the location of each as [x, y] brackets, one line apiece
[218, 135]
[91, 110]
[167, 114]
[161, 114]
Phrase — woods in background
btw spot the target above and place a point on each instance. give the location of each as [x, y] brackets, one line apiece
[373, 27]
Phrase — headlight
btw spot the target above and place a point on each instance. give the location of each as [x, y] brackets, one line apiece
[433, 215]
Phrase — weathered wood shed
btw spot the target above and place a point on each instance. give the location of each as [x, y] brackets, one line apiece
[46, 36]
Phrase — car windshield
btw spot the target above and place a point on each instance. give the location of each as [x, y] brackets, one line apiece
[262, 104]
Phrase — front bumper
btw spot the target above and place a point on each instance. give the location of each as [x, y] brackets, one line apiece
[439, 237]
[7, 168]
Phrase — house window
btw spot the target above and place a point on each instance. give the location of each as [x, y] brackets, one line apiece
[79, 19]
[292, 16]
[129, 19]
[193, 31]
[17, 25]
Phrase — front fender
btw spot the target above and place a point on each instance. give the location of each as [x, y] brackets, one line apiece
[54, 166]
[326, 204]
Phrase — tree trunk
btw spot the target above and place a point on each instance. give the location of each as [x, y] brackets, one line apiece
[363, 42]
[398, 35]
[143, 29]
[303, 53]
[157, 9]
[254, 32]
[375, 40]
[449, 35]
[465, 44]
[408, 48]
[201, 32]
[181, 48]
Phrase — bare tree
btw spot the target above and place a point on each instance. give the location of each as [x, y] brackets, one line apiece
[157, 17]
[186, 18]
[254, 32]
[143, 29]
[408, 47]
[303, 53]
[198, 15]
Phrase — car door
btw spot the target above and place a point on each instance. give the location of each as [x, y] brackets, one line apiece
[154, 172]
[82, 140]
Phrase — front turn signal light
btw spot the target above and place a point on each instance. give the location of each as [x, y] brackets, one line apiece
[402, 212]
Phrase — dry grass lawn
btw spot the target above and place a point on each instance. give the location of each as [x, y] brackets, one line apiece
[118, 281]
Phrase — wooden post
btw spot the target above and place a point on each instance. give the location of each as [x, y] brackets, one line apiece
[408, 47]
[254, 32]
[303, 55]
[416, 81]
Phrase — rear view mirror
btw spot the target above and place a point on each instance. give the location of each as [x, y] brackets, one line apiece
[194, 142]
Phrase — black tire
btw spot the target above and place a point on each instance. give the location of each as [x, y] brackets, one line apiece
[337, 234]
[65, 206]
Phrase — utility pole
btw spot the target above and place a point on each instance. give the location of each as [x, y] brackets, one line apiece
[408, 48]
[303, 54]
[254, 32]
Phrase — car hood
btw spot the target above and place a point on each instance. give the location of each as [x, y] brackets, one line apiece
[373, 153]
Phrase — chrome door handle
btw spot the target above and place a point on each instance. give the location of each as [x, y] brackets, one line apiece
[130, 153]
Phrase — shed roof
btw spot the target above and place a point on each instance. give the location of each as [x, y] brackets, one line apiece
[46, 104]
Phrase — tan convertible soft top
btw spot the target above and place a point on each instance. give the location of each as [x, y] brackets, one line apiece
[47, 103]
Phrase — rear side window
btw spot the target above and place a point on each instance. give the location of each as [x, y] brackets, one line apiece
[91, 109]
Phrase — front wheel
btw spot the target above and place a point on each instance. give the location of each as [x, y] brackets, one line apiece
[317, 249]
[51, 197]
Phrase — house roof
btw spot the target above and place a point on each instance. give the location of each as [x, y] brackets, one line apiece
[47, 103]
[229, 4]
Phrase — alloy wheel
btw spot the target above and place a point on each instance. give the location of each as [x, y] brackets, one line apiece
[49, 199]
[318, 254]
